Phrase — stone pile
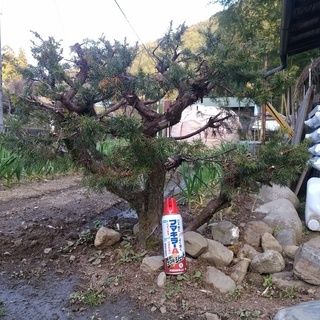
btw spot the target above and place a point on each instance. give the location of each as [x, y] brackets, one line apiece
[271, 244]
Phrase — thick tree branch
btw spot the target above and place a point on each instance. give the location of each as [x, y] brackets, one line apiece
[213, 122]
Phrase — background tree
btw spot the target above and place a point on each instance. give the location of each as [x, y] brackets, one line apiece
[250, 33]
[12, 77]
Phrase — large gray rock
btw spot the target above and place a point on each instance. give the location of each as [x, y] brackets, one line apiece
[150, 264]
[253, 232]
[306, 265]
[303, 311]
[217, 254]
[219, 280]
[239, 270]
[195, 243]
[267, 194]
[282, 216]
[269, 242]
[247, 252]
[106, 237]
[269, 261]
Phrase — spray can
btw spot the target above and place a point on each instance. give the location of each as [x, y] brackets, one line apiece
[173, 240]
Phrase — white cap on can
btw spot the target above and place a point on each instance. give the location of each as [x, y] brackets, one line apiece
[313, 225]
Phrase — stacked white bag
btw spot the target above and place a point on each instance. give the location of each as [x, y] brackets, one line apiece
[312, 209]
[314, 123]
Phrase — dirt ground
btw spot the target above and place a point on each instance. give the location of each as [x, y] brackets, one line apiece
[49, 268]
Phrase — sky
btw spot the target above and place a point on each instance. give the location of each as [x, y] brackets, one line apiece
[74, 20]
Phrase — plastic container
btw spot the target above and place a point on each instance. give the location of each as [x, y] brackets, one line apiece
[312, 211]
[173, 240]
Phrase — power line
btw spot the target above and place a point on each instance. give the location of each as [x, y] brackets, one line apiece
[145, 48]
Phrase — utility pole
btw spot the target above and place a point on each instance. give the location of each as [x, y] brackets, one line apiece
[1, 92]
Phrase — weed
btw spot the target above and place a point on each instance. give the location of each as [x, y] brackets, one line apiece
[67, 248]
[276, 229]
[235, 294]
[3, 312]
[305, 231]
[172, 287]
[248, 314]
[86, 236]
[89, 297]
[128, 255]
[268, 281]
[199, 179]
[97, 224]
[268, 284]
[153, 290]
[289, 292]
[186, 277]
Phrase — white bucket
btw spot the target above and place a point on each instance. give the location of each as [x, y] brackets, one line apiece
[312, 211]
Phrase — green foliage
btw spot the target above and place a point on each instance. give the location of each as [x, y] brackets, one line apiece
[3, 312]
[289, 292]
[235, 293]
[249, 314]
[190, 278]
[17, 163]
[172, 288]
[88, 297]
[10, 166]
[199, 181]
[275, 162]
[267, 281]
[127, 254]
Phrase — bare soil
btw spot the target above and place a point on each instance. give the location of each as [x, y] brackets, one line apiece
[50, 269]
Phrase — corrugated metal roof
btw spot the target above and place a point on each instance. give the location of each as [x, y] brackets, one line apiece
[300, 26]
[300, 29]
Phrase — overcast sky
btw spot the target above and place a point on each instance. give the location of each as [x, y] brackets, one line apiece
[74, 20]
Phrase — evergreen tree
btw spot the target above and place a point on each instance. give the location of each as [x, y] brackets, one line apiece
[121, 148]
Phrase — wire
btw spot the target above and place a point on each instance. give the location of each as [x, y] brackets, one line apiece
[143, 45]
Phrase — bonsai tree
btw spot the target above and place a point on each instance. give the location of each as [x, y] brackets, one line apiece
[122, 148]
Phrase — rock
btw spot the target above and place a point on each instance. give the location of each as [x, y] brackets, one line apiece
[239, 270]
[290, 251]
[219, 280]
[267, 194]
[315, 242]
[287, 237]
[286, 279]
[217, 254]
[254, 230]
[270, 261]
[247, 252]
[106, 237]
[269, 242]
[47, 250]
[211, 316]
[161, 280]
[135, 229]
[306, 265]
[225, 232]
[282, 215]
[304, 311]
[151, 264]
[195, 243]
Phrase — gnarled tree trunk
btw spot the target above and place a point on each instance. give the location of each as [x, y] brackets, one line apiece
[150, 212]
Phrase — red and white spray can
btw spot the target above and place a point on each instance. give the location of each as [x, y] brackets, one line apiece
[173, 240]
